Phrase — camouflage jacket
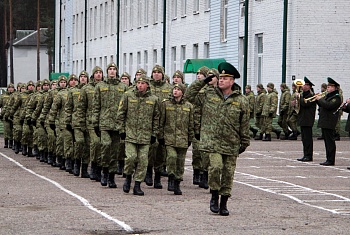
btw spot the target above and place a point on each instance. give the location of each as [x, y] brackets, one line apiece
[161, 89]
[56, 114]
[176, 123]
[270, 104]
[40, 97]
[105, 103]
[18, 106]
[251, 98]
[87, 95]
[6, 101]
[51, 95]
[138, 116]
[25, 106]
[259, 101]
[224, 122]
[75, 108]
[285, 101]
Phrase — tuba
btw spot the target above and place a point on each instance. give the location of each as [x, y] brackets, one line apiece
[296, 96]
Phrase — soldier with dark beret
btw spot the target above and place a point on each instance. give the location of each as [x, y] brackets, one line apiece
[224, 132]
[328, 105]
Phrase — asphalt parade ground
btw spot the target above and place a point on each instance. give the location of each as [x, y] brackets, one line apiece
[273, 194]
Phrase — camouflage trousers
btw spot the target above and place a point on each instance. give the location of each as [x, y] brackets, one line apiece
[221, 172]
[259, 123]
[109, 150]
[35, 135]
[175, 161]
[51, 140]
[292, 121]
[337, 126]
[68, 148]
[59, 142]
[136, 160]
[267, 127]
[8, 128]
[95, 147]
[17, 132]
[196, 155]
[205, 160]
[27, 135]
[81, 145]
[283, 122]
[42, 138]
[157, 156]
[121, 154]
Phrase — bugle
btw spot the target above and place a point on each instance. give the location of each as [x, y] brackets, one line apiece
[313, 98]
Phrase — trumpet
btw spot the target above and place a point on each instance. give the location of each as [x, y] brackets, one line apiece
[313, 98]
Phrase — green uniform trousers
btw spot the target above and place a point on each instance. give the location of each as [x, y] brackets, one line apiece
[283, 122]
[196, 155]
[51, 140]
[292, 121]
[35, 135]
[81, 146]
[42, 138]
[17, 132]
[95, 147]
[175, 161]
[157, 156]
[136, 160]
[59, 142]
[121, 153]
[109, 150]
[27, 135]
[267, 127]
[205, 160]
[8, 128]
[221, 172]
[259, 123]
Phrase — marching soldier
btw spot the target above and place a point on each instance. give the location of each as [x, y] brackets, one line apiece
[8, 123]
[259, 104]
[224, 132]
[328, 105]
[251, 98]
[293, 117]
[284, 109]
[269, 111]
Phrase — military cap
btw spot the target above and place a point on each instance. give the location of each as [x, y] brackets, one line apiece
[112, 65]
[141, 71]
[143, 78]
[203, 70]
[228, 70]
[248, 87]
[331, 82]
[53, 81]
[308, 82]
[324, 86]
[73, 76]
[179, 74]
[30, 83]
[261, 86]
[167, 78]
[62, 78]
[126, 75]
[23, 85]
[214, 72]
[45, 81]
[84, 73]
[37, 84]
[19, 84]
[95, 69]
[271, 85]
[182, 87]
[10, 85]
[158, 68]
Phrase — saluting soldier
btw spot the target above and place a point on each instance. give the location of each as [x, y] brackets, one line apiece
[284, 109]
[8, 123]
[306, 119]
[224, 132]
[327, 121]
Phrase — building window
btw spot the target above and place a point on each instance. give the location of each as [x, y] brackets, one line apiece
[95, 23]
[124, 62]
[195, 51]
[101, 62]
[91, 64]
[105, 62]
[130, 63]
[138, 59]
[259, 56]
[82, 28]
[242, 6]
[139, 13]
[101, 19]
[183, 56]
[126, 9]
[241, 54]
[145, 15]
[183, 8]
[74, 29]
[155, 7]
[131, 14]
[112, 17]
[206, 50]
[111, 59]
[105, 26]
[91, 24]
[195, 6]
[145, 60]
[174, 9]
[207, 5]
[173, 56]
[224, 17]
[155, 54]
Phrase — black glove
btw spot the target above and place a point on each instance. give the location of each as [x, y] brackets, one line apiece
[29, 122]
[122, 136]
[197, 136]
[258, 114]
[241, 149]
[97, 131]
[53, 127]
[33, 122]
[42, 123]
[189, 143]
[161, 141]
[208, 79]
[153, 139]
[270, 114]
[21, 121]
[69, 127]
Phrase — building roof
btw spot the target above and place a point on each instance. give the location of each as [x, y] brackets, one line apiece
[30, 40]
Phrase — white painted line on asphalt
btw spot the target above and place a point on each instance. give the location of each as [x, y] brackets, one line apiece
[81, 199]
[299, 176]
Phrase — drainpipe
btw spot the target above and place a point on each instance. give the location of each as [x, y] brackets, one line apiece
[85, 35]
[60, 41]
[245, 72]
[164, 32]
[118, 34]
[284, 49]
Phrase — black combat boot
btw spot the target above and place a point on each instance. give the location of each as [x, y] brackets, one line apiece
[98, 173]
[177, 190]
[137, 188]
[93, 170]
[278, 133]
[24, 150]
[6, 143]
[20, 146]
[336, 138]
[111, 182]
[45, 156]
[84, 170]
[204, 181]
[69, 165]
[259, 137]
[255, 131]
[40, 156]
[11, 145]
[58, 161]
[54, 161]
[196, 176]
[30, 152]
[35, 151]
[120, 167]
[223, 206]
[164, 172]
[16, 147]
[127, 183]
[148, 178]
[285, 136]
[294, 136]
[267, 137]
[62, 163]
[171, 182]
[214, 201]
[157, 182]
[104, 178]
[50, 158]
[77, 164]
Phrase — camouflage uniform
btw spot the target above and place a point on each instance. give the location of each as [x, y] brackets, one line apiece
[251, 99]
[340, 113]
[138, 120]
[284, 109]
[105, 106]
[6, 101]
[259, 104]
[269, 111]
[292, 116]
[177, 130]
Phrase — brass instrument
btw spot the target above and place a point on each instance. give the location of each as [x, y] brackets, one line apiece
[340, 108]
[313, 98]
[296, 96]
